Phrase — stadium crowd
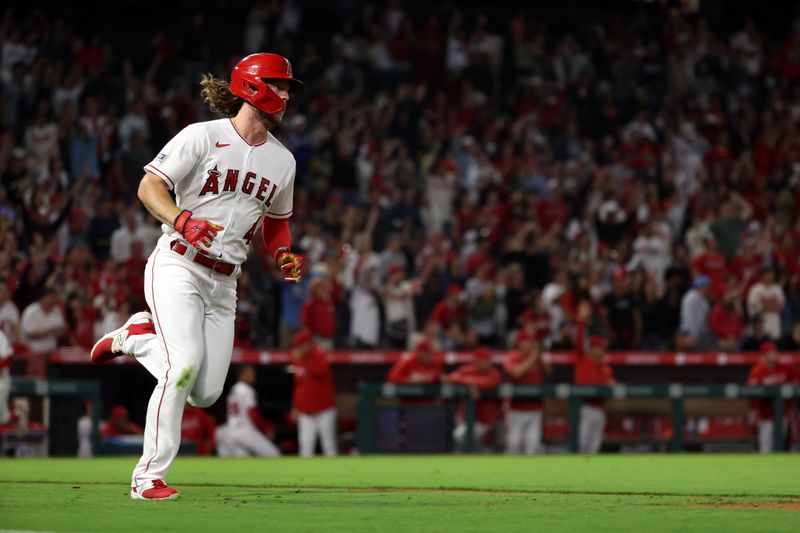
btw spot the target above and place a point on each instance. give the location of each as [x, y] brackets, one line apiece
[459, 178]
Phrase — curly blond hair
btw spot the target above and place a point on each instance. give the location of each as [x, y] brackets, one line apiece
[217, 94]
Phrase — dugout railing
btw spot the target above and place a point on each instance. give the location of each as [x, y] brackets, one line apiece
[370, 393]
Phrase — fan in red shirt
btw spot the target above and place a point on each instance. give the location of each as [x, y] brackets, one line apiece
[119, 423]
[525, 365]
[318, 314]
[198, 427]
[769, 372]
[727, 320]
[451, 311]
[478, 375]
[421, 366]
[314, 398]
[713, 264]
[591, 369]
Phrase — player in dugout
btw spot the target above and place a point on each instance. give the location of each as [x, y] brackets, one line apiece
[591, 369]
[314, 397]
[525, 365]
[770, 372]
[478, 375]
[422, 366]
[198, 427]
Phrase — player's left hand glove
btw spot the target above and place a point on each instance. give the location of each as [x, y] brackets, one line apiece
[291, 265]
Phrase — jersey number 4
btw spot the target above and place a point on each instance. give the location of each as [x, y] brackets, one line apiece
[251, 233]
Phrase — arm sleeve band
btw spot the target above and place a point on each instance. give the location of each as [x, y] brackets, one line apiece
[276, 234]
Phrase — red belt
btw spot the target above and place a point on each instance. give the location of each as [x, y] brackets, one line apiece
[202, 259]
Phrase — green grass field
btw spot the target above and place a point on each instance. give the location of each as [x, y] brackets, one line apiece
[432, 493]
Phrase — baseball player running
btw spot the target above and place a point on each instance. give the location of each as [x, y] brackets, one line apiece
[246, 431]
[229, 177]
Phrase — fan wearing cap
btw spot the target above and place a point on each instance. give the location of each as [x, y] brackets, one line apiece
[314, 397]
[422, 366]
[769, 372]
[591, 369]
[477, 376]
[525, 365]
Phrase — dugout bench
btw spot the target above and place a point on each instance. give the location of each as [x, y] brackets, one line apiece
[370, 393]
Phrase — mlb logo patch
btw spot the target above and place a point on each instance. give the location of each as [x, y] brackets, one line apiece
[161, 156]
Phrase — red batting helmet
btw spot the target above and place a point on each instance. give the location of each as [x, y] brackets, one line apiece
[248, 81]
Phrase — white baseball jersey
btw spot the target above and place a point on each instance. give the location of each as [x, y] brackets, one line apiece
[241, 399]
[219, 177]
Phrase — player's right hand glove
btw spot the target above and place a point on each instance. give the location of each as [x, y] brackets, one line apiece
[197, 232]
[291, 265]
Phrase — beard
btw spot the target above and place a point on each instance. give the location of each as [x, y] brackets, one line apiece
[270, 121]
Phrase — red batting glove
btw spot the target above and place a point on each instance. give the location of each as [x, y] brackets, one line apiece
[197, 232]
[291, 265]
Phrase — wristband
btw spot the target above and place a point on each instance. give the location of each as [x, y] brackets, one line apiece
[180, 221]
[279, 251]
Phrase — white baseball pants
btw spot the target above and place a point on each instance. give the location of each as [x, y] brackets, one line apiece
[593, 423]
[524, 432]
[193, 310]
[460, 434]
[244, 441]
[322, 424]
[766, 435]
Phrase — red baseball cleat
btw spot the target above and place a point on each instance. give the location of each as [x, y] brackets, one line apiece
[111, 344]
[154, 490]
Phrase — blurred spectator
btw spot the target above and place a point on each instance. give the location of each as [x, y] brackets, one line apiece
[791, 342]
[591, 369]
[728, 227]
[485, 310]
[101, 226]
[769, 372]
[293, 295]
[765, 301]
[477, 376]
[41, 142]
[198, 427]
[119, 423]
[131, 231]
[755, 338]
[42, 323]
[398, 304]
[727, 320]
[624, 313]
[365, 311]
[246, 432]
[318, 314]
[6, 353]
[9, 314]
[314, 398]
[449, 314]
[695, 333]
[525, 365]
[422, 366]
[711, 264]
